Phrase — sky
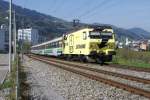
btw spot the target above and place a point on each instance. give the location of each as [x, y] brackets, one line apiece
[121, 13]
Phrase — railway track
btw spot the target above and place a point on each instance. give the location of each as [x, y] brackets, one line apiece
[128, 77]
[130, 67]
[88, 72]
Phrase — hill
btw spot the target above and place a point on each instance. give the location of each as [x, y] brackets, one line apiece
[53, 27]
[47, 25]
[140, 32]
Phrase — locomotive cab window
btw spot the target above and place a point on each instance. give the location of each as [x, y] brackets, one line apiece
[98, 34]
[106, 34]
[94, 34]
[84, 35]
[65, 37]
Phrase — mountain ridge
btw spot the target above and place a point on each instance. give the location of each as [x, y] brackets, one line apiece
[143, 33]
[53, 27]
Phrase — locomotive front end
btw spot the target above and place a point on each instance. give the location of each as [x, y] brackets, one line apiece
[102, 43]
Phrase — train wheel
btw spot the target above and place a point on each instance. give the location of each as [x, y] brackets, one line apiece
[69, 58]
[100, 61]
[82, 58]
[89, 59]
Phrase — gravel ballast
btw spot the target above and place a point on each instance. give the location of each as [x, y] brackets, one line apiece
[145, 75]
[53, 83]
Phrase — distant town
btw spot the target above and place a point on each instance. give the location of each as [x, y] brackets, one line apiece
[135, 45]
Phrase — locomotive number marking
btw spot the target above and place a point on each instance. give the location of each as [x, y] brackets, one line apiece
[80, 46]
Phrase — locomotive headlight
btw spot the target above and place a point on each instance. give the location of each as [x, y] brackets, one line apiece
[110, 45]
[92, 46]
[99, 40]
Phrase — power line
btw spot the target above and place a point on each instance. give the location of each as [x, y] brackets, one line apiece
[57, 6]
[54, 3]
[104, 2]
[78, 9]
[104, 9]
[62, 4]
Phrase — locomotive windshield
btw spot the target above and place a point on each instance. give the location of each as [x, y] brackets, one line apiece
[106, 35]
[97, 34]
[94, 34]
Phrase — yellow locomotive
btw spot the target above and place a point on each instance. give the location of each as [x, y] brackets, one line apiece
[92, 43]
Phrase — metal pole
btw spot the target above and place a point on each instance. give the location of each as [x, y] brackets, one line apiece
[17, 79]
[15, 56]
[10, 10]
[14, 34]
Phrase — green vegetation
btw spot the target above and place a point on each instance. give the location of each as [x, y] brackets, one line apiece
[10, 82]
[7, 84]
[25, 47]
[132, 58]
[12, 95]
[24, 86]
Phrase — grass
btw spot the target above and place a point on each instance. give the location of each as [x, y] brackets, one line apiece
[10, 82]
[24, 86]
[12, 95]
[132, 58]
[7, 84]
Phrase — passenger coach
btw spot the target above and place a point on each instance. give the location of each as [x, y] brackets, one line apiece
[52, 48]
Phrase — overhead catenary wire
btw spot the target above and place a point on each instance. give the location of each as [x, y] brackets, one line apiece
[90, 11]
[57, 5]
[53, 7]
[61, 5]
[103, 4]
[110, 6]
[77, 9]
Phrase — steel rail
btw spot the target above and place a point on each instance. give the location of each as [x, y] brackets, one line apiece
[130, 68]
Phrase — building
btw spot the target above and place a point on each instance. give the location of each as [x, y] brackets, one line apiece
[144, 46]
[42, 38]
[4, 38]
[29, 34]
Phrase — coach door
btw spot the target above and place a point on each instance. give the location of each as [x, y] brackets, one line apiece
[71, 41]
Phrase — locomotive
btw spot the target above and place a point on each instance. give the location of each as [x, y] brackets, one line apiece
[92, 44]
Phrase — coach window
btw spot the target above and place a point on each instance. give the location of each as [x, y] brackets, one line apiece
[49, 45]
[55, 44]
[60, 43]
[84, 36]
[52, 44]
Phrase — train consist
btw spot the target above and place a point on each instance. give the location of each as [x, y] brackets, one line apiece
[92, 43]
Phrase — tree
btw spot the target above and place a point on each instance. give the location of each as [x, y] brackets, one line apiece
[25, 46]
